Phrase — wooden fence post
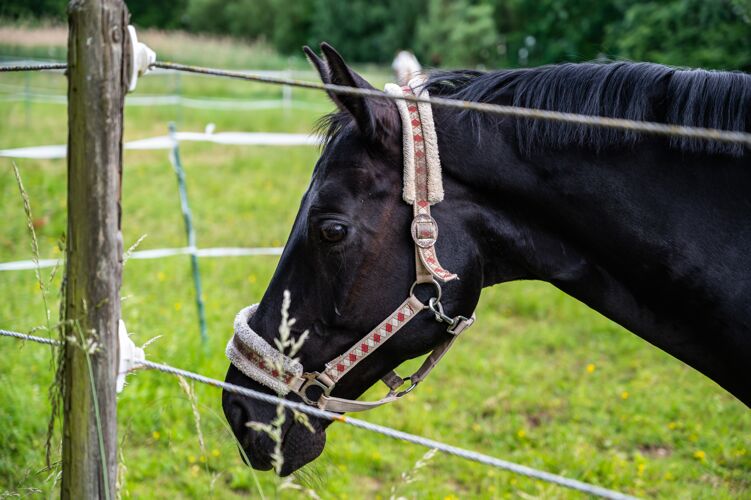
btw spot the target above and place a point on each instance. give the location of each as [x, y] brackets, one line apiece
[98, 62]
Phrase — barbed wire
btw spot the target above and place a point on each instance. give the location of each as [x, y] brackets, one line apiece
[646, 127]
[362, 424]
[32, 67]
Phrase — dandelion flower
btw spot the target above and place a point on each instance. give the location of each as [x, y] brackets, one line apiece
[591, 368]
[700, 455]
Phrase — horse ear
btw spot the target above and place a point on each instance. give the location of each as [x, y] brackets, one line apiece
[323, 71]
[364, 110]
[318, 63]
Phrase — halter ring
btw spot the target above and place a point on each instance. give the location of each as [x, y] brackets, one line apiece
[408, 389]
[433, 282]
[312, 380]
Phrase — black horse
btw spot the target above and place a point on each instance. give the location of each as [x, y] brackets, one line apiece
[654, 233]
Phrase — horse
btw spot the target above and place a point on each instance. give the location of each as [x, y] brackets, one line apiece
[653, 232]
[406, 67]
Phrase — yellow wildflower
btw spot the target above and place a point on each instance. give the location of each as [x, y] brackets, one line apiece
[178, 306]
[521, 433]
[672, 426]
[624, 395]
[700, 455]
[156, 435]
[215, 453]
[191, 459]
[591, 368]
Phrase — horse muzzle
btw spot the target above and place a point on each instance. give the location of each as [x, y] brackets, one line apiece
[299, 445]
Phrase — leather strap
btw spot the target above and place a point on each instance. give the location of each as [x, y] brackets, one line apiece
[394, 381]
[424, 228]
[340, 366]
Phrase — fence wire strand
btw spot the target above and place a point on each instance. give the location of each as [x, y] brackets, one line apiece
[362, 424]
[646, 127]
[32, 338]
[32, 67]
[654, 128]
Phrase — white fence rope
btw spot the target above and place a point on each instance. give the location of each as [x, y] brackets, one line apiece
[211, 103]
[58, 151]
[523, 470]
[158, 253]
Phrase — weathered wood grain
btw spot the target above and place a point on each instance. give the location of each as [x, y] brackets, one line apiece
[98, 60]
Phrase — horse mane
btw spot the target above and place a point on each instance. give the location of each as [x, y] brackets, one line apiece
[635, 91]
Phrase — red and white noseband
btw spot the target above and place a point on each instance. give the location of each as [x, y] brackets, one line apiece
[423, 187]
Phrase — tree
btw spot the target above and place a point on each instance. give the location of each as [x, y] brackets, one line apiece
[365, 31]
[30, 9]
[697, 33]
[456, 33]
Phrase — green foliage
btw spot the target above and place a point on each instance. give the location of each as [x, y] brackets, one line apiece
[554, 30]
[464, 33]
[685, 33]
[457, 33]
[364, 30]
[148, 13]
[30, 9]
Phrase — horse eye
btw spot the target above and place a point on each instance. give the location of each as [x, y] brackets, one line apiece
[333, 232]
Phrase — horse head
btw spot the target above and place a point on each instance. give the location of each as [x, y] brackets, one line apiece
[349, 262]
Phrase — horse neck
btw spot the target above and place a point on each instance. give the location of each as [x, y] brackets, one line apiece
[653, 238]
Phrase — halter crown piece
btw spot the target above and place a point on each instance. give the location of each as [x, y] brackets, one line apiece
[423, 187]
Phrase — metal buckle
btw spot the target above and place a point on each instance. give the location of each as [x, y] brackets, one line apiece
[311, 380]
[408, 389]
[424, 230]
[437, 309]
[457, 322]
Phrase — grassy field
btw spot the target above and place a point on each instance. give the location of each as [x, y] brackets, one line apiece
[541, 380]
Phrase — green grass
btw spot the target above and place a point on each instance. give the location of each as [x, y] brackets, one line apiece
[541, 379]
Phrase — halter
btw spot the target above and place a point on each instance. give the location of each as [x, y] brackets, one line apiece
[423, 187]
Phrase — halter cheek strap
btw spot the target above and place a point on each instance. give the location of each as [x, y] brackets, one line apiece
[423, 187]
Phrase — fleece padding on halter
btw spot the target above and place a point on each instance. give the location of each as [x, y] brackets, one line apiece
[257, 359]
[419, 143]
[423, 182]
